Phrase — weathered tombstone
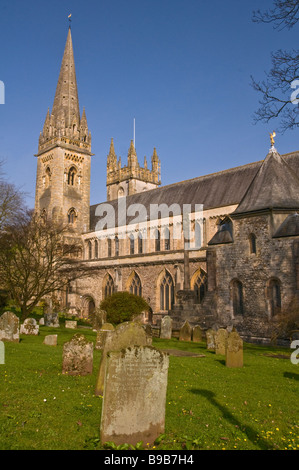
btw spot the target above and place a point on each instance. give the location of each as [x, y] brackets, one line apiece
[77, 356]
[50, 340]
[98, 318]
[210, 335]
[29, 327]
[9, 327]
[51, 319]
[185, 332]
[221, 341]
[197, 334]
[127, 334]
[234, 350]
[41, 321]
[134, 395]
[72, 324]
[166, 327]
[102, 334]
[149, 334]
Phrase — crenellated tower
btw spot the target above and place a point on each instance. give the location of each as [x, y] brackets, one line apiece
[131, 178]
[64, 154]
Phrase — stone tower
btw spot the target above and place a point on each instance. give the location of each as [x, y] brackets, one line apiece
[131, 178]
[64, 154]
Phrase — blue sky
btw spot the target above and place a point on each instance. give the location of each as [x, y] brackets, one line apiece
[181, 68]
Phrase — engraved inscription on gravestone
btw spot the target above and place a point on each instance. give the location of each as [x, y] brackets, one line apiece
[134, 395]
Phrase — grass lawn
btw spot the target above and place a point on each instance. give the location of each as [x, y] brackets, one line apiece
[208, 405]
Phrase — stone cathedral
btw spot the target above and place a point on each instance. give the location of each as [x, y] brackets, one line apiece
[244, 271]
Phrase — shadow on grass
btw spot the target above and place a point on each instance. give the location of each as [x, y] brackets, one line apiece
[291, 375]
[251, 434]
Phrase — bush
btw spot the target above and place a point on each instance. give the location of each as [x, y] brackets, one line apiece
[123, 306]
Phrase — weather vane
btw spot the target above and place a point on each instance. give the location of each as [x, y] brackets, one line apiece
[272, 138]
[70, 19]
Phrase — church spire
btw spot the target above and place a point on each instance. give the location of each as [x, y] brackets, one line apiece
[64, 120]
[66, 100]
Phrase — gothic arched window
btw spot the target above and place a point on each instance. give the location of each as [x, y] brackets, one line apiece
[109, 247]
[71, 176]
[140, 243]
[274, 296]
[108, 286]
[116, 240]
[89, 249]
[166, 239]
[96, 249]
[166, 292]
[200, 286]
[132, 244]
[71, 216]
[237, 297]
[252, 243]
[48, 177]
[135, 286]
[157, 240]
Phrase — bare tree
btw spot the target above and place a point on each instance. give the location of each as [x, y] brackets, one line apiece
[279, 98]
[11, 201]
[37, 259]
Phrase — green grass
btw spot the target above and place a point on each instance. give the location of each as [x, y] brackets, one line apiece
[208, 405]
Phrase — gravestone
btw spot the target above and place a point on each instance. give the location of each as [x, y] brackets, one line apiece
[185, 332]
[50, 340]
[29, 327]
[210, 336]
[166, 327]
[134, 395]
[102, 334]
[221, 341]
[197, 334]
[72, 324]
[77, 356]
[51, 319]
[125, 335]
[149, 334]
[41, 321]
[98, 318]
[9, 327]
[234, 350]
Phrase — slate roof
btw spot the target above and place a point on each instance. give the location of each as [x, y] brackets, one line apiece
[289, 227]
[275, 186]
[224, 188]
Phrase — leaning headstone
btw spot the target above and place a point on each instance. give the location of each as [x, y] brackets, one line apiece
[210, 336]
[166, 327]
[134, 395]
[29, 327]
[98, 318]
[72, 324]
[234, 350]
[50, 340]
[197, 334]
[51, 319]
[127, 334]
[185, 332]
[77, 356]
[9, 327]
[102, 334]
[221, 341]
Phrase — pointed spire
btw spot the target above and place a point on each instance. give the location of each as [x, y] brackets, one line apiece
[66, 97]
[132, 155]
[111, 158]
